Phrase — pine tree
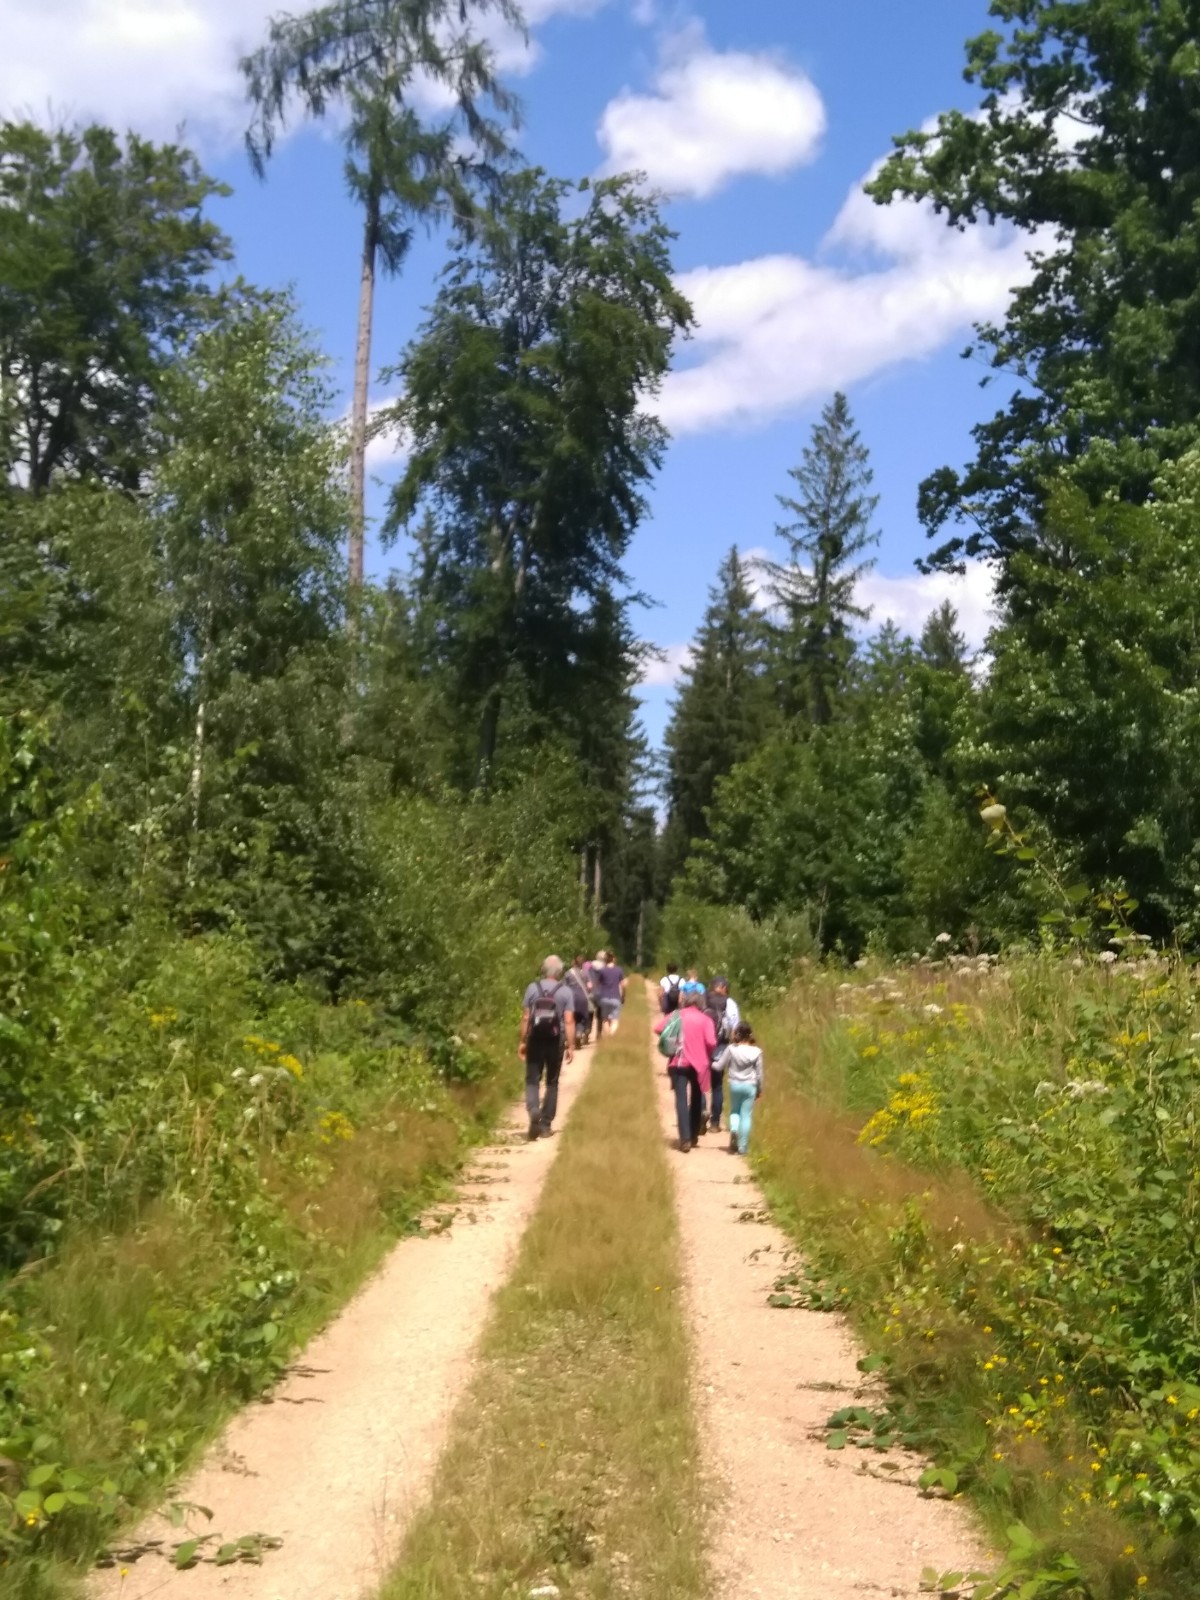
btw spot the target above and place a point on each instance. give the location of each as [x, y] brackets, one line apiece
[723, 709]
[814, 588]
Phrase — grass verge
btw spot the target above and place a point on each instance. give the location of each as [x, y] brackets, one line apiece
[123, 1356]
[572, 1460]
[969, 1162]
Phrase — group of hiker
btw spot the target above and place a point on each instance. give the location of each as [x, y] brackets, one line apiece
[559, 1013]
[708, 1045]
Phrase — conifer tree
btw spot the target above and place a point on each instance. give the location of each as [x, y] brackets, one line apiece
[723, 709]
[814, 589]
[942, 645]
[375, 60]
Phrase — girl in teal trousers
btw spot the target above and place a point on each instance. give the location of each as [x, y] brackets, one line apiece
[742, 1063]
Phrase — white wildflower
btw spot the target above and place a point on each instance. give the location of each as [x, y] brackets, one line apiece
[994, 813]
[256, 1080]
[1107, 956]
[944, 938]
[933, 1011]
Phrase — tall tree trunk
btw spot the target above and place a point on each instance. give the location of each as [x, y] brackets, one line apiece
[597, 889]
[641, 934]
[489, 730]
[196, 786]
[362, 396]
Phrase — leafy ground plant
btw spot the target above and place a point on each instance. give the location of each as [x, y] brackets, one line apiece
[999, 1166]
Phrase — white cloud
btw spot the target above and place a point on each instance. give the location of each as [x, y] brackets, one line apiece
[909, 600]
[666, 670]
[713, 116]
[387, 444]
[891, 283]
[148, 64]
[153, 65]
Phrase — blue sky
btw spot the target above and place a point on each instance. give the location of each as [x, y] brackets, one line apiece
[761, 119]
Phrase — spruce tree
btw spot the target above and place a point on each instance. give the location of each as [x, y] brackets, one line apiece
[814, 589]
[942, 645]
[723, 709]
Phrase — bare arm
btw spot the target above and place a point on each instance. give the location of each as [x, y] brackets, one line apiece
[570, 1036]
[524, 1035]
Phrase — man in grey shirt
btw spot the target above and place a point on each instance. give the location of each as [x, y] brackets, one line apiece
[547, 1040]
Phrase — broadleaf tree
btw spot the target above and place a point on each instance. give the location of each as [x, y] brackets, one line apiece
[387, 66]
[531, 443]
[1085, 141]
[105, 260]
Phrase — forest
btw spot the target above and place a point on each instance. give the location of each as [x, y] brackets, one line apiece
[281, 841]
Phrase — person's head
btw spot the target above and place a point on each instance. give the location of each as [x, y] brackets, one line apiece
[693, 975]
[672, 969]
[601, 959]
[720, 986]
[743, 1034]
[689, 995]
[580, 961]
[552, 967]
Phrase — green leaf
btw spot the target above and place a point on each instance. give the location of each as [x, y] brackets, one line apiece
[55, 1503]
[1078, 893]
[41, 1476]
[185, 1554]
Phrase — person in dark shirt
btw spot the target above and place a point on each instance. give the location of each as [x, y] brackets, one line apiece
[547, 1040]
[610, 990]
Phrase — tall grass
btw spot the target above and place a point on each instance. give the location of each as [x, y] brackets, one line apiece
[995, 1173]
[573, 1457]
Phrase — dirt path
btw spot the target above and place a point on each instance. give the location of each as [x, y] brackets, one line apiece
[340, 1458]
[797, 1520]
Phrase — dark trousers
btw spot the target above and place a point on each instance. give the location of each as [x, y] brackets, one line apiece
[718, 1099]
[542, 1060]
[583, 1023]
[689, 1102]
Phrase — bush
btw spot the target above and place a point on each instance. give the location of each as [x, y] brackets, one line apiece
[758, 957]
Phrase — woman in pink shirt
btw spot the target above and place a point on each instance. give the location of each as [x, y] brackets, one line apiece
[690, 1069]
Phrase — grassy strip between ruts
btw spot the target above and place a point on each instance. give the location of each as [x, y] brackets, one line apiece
[572, 1461]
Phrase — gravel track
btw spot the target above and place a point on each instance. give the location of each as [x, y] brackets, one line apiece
[791, 1520]
[339, 1458]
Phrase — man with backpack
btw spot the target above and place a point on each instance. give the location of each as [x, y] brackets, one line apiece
[578, 979]
[725, 1018]
[547, 1040]
[670, 989]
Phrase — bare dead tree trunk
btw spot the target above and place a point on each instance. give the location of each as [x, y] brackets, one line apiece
[361, 400]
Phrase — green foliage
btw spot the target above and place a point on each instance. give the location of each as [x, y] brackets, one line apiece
[1043, 1340]
[723, 709]
[104, 257]
[531, 443]
[758, 957]
[1085, 137]
[814, 589]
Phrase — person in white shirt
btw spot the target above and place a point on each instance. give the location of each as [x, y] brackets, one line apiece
[742, 1064]
[670, 989]
[725, 1015]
